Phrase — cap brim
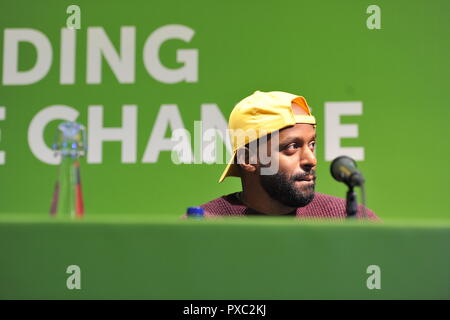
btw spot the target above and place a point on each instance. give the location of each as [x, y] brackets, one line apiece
[231, 169]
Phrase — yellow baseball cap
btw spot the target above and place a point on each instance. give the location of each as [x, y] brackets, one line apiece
[263, 113]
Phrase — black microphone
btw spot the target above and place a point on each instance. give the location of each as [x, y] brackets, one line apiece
[343, 169]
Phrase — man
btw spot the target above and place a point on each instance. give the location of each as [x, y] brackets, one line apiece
[282, 125]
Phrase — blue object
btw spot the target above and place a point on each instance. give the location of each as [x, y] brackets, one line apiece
[196, 212]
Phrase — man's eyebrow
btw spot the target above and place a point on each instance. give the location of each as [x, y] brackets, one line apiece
[295, 138]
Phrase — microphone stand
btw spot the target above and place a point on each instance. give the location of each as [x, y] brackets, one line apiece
[343, 169]
[351, 207]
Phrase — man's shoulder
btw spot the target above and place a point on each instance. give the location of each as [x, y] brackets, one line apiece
[323, 206]
[322, 199]
[328, 206]
[326, 197]
[226, 205]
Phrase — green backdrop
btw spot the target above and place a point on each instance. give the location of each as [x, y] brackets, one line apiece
[322, 50]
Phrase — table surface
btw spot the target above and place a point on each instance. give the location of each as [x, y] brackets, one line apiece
[163, 257]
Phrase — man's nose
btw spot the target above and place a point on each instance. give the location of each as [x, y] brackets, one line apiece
[308, 159]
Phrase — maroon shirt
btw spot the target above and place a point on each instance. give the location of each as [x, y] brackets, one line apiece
[322, 206]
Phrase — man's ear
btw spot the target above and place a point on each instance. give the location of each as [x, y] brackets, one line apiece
[246, 159]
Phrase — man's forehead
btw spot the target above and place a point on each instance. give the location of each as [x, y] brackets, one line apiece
[299, 130]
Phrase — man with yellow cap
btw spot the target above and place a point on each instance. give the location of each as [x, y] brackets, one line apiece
[280, 125]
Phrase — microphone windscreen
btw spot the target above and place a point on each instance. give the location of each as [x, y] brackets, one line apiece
[342, 168]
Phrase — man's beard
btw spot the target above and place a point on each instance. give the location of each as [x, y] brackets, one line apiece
[282, 188]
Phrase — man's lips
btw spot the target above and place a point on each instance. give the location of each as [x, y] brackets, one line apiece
[307, 178]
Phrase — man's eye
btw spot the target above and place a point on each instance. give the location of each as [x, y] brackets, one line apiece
[292, 146]
[312, 145]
